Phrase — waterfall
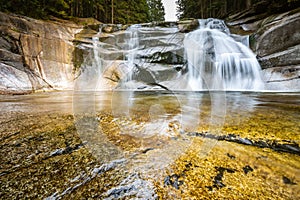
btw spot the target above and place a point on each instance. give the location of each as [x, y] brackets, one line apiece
[91, 69]
[153, 57]
[96, 50]
[217, 60]
[131, 49]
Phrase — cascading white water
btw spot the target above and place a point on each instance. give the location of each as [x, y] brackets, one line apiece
[217, 61]
[96, 49]
[132, 42]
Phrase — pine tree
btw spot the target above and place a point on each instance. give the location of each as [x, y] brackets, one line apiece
[131, 11]
[156, 10]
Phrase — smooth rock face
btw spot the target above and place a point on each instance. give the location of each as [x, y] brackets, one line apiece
[21, 80]
[39, 55]
[275, 39]
[279, 32]
[140, 57]
[35, 54]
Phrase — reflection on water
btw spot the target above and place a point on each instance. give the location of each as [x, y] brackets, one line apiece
[156, 136]
[189, 110]
[39, 102]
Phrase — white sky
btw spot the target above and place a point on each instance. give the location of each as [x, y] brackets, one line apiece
[170, 10]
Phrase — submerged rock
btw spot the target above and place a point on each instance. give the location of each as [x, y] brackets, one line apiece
[173, 180]
[286, 180]
[132, 187]
[247, 169]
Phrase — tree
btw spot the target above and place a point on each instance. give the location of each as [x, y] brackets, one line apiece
[210, 8]
[189, 9]
[131, 11]
[156, 10]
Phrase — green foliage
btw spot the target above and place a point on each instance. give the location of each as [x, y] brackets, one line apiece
[223, 8]
[130, 11]
[23, 7]
[137, 11]
[208, 8]
[156, 10]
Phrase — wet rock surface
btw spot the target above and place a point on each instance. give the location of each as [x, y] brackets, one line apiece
[281, 146]
[275, 39]
[173, 180]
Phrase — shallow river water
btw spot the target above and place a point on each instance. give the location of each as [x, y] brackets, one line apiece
[150, 145]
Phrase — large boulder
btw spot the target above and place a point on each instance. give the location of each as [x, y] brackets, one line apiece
[35, 54]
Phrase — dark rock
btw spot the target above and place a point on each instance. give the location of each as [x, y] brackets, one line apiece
[288, 181]
[188, 25]
[210, 188]
[292, 147]
[67, 150]
[174, 57]
[245, 141]
[163, 24]
[147, 149]
[261, 143]
[173, 181]
[230, 156]
[247, 169]
[188, 166]
[289, 147]
[217, 182]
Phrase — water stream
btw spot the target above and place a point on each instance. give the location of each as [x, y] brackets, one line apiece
[155, 114]
[147, 57]
[217, 62]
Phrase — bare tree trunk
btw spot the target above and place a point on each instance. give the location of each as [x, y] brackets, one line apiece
[112, 11]
[248, 3]
[202, 10]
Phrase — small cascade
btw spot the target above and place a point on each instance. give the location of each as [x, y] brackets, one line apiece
[96, 49]
[153, 57]
[132, 41]
[219, 61]
[92, 67]
[147, 53]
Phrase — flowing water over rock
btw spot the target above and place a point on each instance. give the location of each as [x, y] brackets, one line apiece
[216, 61]
[151, 57]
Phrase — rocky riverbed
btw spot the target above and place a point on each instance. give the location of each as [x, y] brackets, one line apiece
[51, 151]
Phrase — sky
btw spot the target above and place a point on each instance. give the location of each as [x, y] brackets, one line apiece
[170, 10]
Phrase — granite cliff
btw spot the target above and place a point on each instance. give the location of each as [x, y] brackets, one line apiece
[35, 54]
